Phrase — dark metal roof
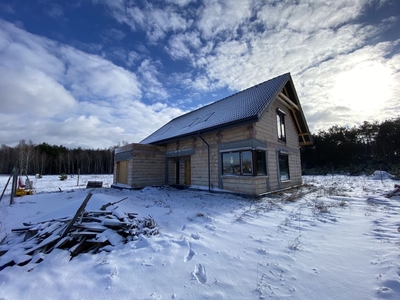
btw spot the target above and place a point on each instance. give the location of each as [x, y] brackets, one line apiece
[244, 106]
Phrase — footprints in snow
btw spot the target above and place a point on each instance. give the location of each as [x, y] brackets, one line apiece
[190, 253]
[199, 272]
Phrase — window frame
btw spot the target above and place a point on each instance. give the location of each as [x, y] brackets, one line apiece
[280, 124]
[287, 167]
[253, 170]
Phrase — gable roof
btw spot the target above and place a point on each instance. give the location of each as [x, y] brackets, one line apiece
[243, 107]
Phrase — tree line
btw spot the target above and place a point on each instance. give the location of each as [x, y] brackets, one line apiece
[45, 159]
[358, 150]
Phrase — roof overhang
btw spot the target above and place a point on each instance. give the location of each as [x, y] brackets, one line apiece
[208, 130]
[305, 137]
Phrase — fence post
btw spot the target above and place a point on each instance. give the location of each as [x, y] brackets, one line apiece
[14, 185]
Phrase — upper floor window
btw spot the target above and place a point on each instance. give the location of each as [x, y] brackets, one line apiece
[280, 122]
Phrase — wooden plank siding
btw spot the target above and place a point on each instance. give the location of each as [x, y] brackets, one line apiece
[146, 166]
[266, 129]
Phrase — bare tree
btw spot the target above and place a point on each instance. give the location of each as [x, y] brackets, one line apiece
[25, 152]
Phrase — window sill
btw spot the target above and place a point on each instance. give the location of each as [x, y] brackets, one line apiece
[242, 176]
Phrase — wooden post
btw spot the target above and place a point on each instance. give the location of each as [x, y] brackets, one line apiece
[14, 185]
[77, 182]
[1, 197]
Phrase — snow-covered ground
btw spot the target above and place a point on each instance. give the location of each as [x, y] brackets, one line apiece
[334, 238]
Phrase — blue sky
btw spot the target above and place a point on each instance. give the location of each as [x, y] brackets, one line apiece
[92, 73]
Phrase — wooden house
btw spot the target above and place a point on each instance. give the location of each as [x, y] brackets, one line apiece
[247, 143]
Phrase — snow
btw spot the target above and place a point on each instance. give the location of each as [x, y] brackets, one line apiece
[380, 175]
[334, 238]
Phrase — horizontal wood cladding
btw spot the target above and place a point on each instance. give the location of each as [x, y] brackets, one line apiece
[266, 128]
[146, 165]
[245, 184]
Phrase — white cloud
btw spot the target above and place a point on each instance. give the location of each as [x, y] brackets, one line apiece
[309, 16]
[180, 2]
[29, 92]
[352, 88]
[180, 46]
[94, 77]
[155, 21]
[223, 17]
[69, 97]
[152, 86]
[112, 34]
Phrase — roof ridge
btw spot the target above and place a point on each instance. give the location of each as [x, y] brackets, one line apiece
[251, 87]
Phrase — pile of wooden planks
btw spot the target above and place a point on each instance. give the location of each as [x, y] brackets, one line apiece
[86, 231]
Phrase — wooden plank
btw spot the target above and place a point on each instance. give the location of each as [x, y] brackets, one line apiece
[5, 187]
[77, 214]
[83, 233]
[45, 242]
[3, 236]
[75, 250]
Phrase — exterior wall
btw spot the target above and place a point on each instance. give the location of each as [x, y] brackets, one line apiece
[254, 185]
[123, 153]
[156, 165]
[199, 160]
[146, 165]
[266, 129]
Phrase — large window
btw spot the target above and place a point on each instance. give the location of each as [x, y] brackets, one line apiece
[231, 163]
[244, 163]
[261, 163]
[280, 122]
[284, 167]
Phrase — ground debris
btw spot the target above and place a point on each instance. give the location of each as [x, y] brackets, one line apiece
[395, 192]
[86, 232]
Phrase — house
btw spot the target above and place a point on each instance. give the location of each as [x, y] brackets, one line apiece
[247, 143]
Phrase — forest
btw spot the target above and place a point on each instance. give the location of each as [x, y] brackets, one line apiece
[358, 150]
[48, 159]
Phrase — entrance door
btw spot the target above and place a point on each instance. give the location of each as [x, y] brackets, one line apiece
[122, 171]
[188, 173]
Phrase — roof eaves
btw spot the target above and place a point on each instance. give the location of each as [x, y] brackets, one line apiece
[207, 130]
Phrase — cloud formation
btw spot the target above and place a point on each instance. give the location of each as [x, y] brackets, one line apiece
[148, 62]
[51, 90]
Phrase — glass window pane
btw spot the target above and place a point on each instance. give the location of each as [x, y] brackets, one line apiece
[261, 165]
[247, 163]
[278, 125]
[284, 167]
[230, 163]
[280, 120]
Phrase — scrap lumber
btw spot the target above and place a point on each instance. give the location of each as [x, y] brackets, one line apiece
[395, 192]
[3, 236]
[86, 231]
[112, 203]
[77, 214]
